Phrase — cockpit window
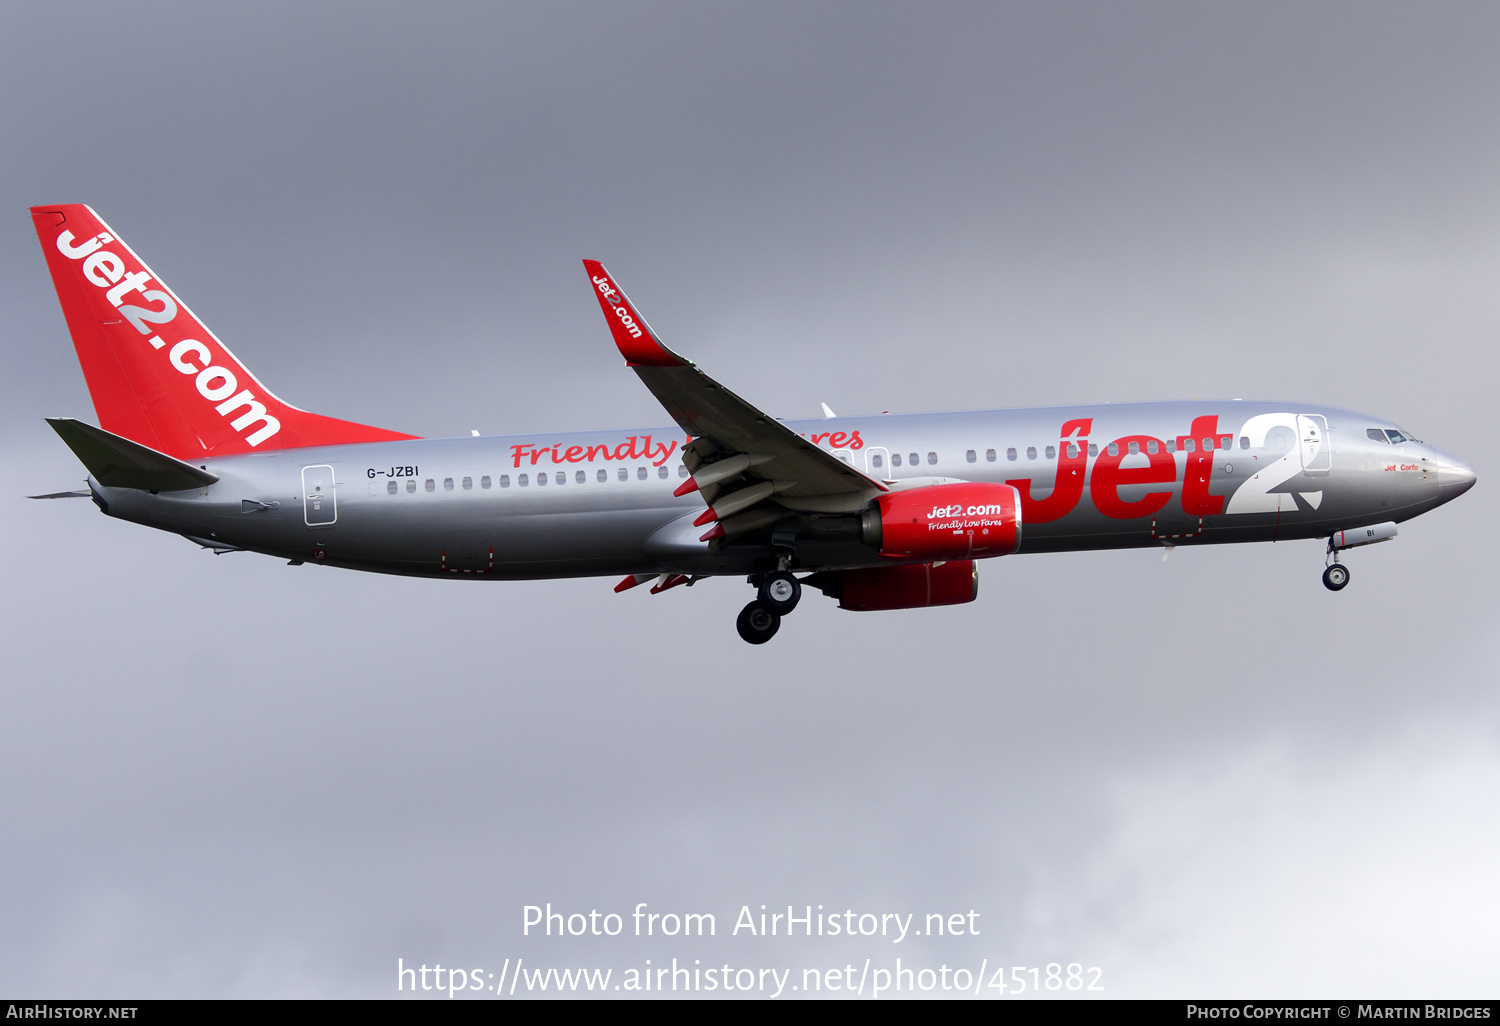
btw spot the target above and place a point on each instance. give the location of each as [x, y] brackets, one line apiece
[1376, 434]
[1396, 437]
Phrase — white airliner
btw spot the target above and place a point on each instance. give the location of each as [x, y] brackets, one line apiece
[884, 512]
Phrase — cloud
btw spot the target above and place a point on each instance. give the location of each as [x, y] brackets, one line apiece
[1278, 871]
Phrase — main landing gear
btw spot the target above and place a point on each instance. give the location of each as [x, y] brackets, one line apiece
[777, 594]
[780, 592]
[757, 624]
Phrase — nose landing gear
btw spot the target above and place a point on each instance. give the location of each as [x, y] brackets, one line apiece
[1336, 577]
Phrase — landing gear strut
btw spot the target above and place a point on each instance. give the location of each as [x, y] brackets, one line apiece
[777, 594]
[758, 623]
[1335, 574]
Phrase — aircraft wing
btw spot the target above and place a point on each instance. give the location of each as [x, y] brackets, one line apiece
[728, 431]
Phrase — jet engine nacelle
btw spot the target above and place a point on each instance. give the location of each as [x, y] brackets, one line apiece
[912, 586]
[946, 522]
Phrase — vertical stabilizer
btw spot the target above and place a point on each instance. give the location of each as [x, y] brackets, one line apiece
[156, 374]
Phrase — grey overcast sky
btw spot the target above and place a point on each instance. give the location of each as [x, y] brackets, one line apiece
[1206, 776]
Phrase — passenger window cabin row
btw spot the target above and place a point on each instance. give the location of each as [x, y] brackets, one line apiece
[542, 478]
[1207, 443]
[876, 461]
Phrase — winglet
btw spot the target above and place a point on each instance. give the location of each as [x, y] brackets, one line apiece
[638, 343]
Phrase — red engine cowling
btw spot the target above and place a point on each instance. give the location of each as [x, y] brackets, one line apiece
[952, 521]
[910, 587]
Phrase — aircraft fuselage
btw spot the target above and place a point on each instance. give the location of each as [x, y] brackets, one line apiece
[601, 502]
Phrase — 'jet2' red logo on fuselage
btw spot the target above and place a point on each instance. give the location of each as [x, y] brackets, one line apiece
[1108, 476]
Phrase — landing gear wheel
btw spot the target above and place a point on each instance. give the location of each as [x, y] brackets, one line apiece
[1336, 577]
[757, 624]
[780, 592]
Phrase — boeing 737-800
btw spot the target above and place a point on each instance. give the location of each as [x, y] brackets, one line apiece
[883, 512]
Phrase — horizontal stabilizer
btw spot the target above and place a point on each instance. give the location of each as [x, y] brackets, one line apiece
[215, 546]
[80, 493]
[120, 463]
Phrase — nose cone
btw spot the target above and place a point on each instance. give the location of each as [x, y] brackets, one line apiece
[1454, 477]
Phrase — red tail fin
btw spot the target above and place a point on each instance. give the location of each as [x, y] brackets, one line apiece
[156, 374]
